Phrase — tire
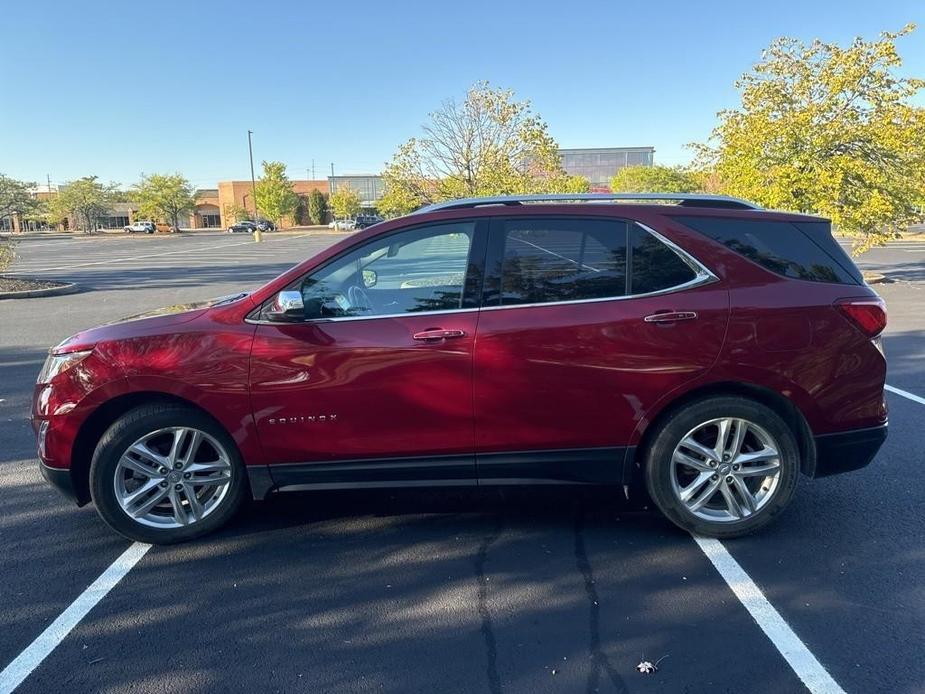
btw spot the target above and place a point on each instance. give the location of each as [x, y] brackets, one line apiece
[113, 476]
[692, 432]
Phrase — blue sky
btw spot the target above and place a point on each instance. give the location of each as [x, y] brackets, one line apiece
[116, 89]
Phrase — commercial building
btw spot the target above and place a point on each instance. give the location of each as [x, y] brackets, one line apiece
[599, 164]
[234, 198]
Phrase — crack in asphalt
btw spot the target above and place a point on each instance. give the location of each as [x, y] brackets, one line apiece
[599, 659]
[488, 633]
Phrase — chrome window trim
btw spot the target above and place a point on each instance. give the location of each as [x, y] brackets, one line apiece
[339, 319]
[702, 276]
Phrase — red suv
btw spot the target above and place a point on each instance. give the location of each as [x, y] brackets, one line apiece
[707, 348]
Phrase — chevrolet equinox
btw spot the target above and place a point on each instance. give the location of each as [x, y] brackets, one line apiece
[708, 349]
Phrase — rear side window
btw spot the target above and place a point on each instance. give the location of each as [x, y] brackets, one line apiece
[655, 267]
[781, 247]
[547, 260]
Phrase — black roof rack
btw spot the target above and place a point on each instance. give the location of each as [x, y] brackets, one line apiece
[687, 200]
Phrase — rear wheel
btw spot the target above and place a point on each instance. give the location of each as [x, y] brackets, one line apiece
[723, 466]
[166, 473]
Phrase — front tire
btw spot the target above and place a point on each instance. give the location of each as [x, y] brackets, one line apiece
[722, 467]
[166, 473]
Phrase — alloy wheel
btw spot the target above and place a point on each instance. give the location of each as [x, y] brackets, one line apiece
[172, 477]
[725, 470]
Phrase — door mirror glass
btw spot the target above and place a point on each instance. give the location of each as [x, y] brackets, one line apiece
[287, 307]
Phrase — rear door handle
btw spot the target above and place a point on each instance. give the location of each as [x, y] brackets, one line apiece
[669, 316]
[435, 334]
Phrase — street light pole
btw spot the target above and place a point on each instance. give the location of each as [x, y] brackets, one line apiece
[250, 151]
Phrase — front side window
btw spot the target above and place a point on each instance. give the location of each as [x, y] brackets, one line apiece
[420, 269]
[550, 260]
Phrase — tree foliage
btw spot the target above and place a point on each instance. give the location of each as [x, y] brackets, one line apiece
[345, 202]
[490, 144]
[830, 130]
[16, 198]
[654, 179]
[164, 197]
[275, 197]
[317, 207]
[86, 200]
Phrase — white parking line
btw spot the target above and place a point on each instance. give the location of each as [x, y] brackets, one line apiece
[795, 652]
[113, 261]
[905, 394]
[14, 673]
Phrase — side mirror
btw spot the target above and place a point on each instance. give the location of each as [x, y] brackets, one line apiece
[287, 307]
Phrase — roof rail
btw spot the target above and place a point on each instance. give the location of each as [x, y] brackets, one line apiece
[687, 200]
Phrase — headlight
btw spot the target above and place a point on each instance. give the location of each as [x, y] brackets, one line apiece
[59, 363]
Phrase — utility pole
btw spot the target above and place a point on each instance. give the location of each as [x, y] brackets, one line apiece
[250, 151]
[313, 169]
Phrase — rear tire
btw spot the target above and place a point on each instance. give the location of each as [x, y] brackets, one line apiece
[145, 470]
[729, 489]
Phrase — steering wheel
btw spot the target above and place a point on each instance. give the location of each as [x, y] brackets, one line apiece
[359, 299]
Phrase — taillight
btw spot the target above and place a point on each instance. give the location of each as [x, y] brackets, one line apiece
[867, 314]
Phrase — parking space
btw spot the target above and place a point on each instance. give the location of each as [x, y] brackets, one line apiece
[454, 591]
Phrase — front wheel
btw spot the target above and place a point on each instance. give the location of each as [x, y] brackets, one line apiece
[722, 467]
[165, 474]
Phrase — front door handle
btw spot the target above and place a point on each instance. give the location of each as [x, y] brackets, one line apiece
[436, 334]
[669, 316]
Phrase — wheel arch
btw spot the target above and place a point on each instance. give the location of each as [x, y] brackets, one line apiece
[96, 424]
[783, 406]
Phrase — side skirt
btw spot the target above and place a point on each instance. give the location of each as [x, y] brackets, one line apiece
[572, 466]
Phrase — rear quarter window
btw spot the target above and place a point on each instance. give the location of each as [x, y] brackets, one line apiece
[781, 247]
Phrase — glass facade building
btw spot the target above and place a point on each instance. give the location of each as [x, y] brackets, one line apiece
[370, 187]
[599, 164]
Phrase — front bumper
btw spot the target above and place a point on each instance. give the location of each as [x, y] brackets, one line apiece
[60, 479]
[847, 450]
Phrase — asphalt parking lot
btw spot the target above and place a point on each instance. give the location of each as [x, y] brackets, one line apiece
[525, 590]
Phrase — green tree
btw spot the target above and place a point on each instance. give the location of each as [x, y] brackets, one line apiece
[275, 197]
[164, 196]
[830, 130]
[345, 202]
[300, 211]
[86, 200]
[317, 207]
[490, 144]
[654, 179]
[16, 198]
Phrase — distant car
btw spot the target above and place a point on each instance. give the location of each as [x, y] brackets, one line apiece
[343, 225]
[266, 225]
[367, 220]
[146, 227]
[245, 225]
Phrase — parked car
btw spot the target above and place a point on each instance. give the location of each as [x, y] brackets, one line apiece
[365, 221]
[145, 227]
[708, 350]
[244, 225]
[266, 225]
[345, 224]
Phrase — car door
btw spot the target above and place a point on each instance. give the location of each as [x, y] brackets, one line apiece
[585, 323]
[380, 371]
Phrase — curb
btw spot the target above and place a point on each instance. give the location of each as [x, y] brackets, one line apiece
[68, 288]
